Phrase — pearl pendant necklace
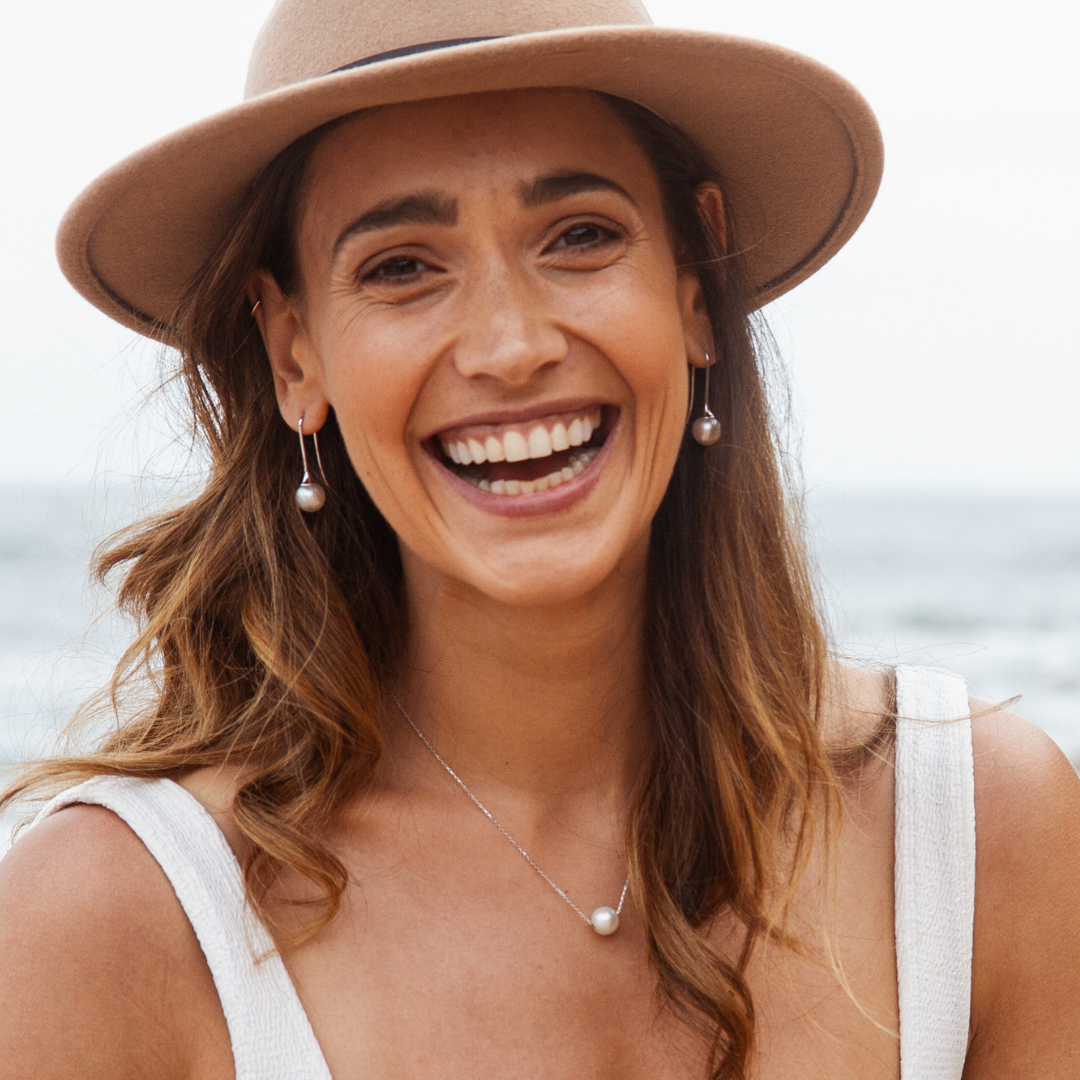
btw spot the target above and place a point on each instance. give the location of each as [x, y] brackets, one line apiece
[604, 920]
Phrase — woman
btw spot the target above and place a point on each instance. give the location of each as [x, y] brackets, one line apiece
[507, 744]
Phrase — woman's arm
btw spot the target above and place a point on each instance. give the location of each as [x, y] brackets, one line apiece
[101, 975]
[1026, 985]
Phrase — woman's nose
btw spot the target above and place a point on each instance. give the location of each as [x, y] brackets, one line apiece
[508, 331]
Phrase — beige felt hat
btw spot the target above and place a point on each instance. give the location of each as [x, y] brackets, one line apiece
[796, 148]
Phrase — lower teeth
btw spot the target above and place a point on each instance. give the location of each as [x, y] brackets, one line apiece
[579, 460]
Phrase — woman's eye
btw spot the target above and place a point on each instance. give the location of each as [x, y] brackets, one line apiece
[584, 235]
[401, 266]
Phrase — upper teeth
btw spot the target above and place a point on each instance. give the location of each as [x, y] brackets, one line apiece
[537, 440]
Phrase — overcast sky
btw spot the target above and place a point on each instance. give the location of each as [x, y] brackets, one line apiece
[938, 349]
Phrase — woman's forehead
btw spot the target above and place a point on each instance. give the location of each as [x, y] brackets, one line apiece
[492, 137]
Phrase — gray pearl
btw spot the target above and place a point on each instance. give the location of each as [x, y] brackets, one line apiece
[605, 921]
[706, 430]
[310, 497]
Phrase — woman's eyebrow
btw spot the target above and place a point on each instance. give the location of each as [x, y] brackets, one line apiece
[423, 208]
[555, 186]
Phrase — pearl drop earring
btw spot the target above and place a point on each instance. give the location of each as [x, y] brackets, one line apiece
[706, 429]
[310, 496]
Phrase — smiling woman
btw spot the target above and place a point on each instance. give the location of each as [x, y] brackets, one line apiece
[541, 579]
[536, 314]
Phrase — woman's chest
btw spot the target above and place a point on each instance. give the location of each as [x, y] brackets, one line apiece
[414, 983]
[416, 979]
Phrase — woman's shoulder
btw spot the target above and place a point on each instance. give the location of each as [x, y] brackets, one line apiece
[1027, 793]
[1023, 782]
[1026, 949]
[1027, 813]
[102, 972]
[1026, 972]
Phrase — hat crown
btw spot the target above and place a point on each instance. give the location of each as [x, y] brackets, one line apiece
[302, 39]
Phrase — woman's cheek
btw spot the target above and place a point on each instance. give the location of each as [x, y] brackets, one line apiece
[659, 384]
[639, 323]
[372, 396]
[652, 362]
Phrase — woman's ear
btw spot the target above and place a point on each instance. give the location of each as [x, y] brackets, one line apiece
[711, 204]
[297, 373]
[697, 328]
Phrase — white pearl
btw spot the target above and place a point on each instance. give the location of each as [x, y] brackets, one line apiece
[604, 921]
[706, 430]
[310, 497]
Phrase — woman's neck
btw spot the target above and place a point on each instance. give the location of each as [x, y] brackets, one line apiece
[544, 702]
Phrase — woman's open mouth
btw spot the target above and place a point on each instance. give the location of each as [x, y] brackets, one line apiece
[527, 457]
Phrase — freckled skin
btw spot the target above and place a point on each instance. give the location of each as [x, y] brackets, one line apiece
[451, 959]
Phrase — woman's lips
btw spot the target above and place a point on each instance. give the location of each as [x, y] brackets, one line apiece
[545, 483]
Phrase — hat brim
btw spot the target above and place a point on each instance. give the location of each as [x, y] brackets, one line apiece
[795, 147]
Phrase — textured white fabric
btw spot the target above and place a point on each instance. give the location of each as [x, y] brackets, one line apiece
[935, 892]
[269, 1030]
[935, 871]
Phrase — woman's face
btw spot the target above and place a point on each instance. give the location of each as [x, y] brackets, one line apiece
[491, 306]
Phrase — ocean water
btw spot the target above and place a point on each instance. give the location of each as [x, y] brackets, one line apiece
[58, 640]
[986, 585]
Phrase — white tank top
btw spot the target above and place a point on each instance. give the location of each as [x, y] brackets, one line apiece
[935, 895]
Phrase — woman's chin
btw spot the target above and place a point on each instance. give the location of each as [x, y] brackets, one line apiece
[549, 572]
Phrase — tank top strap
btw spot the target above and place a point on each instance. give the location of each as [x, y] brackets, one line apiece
[935, 871]
[268, 1028]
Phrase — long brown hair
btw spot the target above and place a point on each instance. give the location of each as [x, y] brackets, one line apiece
[266, 639]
